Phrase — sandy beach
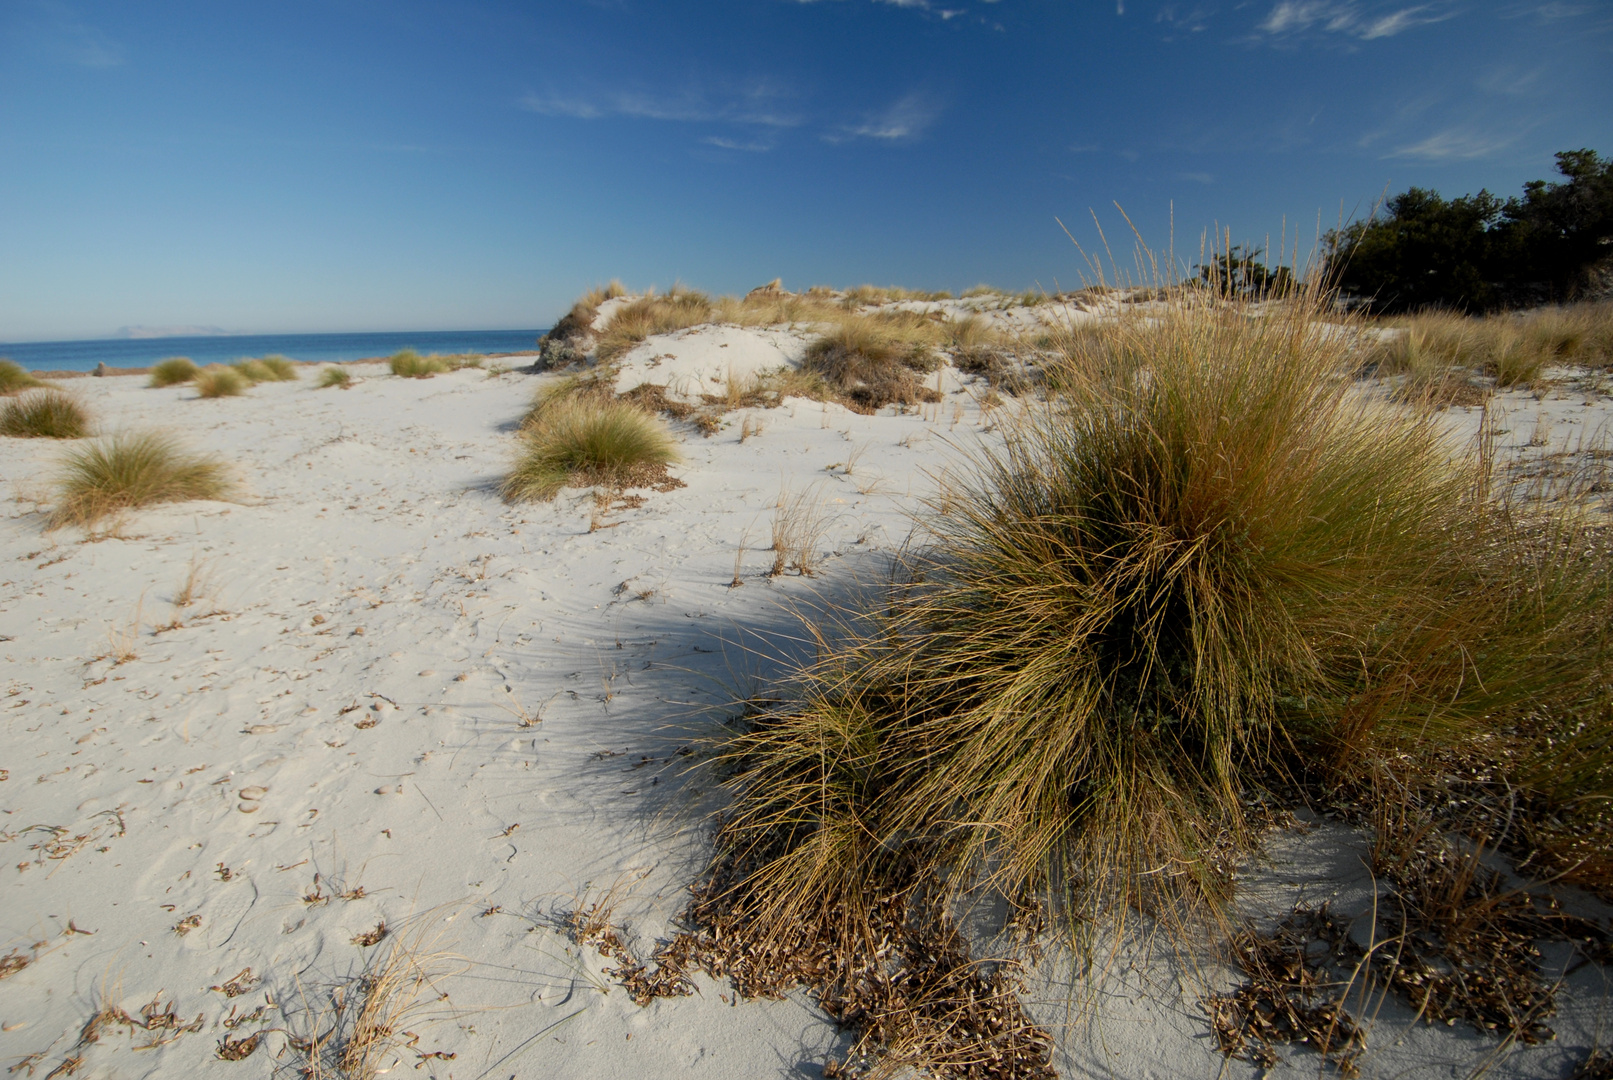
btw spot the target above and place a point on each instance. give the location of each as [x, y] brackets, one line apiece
[368, 708]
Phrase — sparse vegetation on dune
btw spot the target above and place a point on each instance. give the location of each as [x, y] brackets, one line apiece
[335, 376]
[1205, 574]
[220, 380]
[677, 309]
[877, 359]
[45, 414]
[172, 371]
[126, 471]
[577, 439]
[13, 378]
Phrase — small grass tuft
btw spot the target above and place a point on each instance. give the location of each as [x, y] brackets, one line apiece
[678, 309]
[409, 364]
[132, 470]
[172, 371]
[335, 376]
[219, 380]
[585, 441]
[48, 414]
[13, 378]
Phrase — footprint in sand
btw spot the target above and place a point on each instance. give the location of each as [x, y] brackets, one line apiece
[222, 914]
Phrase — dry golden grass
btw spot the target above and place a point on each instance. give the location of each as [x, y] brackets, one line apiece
[774, 309]
[126, 471]
[218, 380]
[1438, 349]
[13, 378]
[44, 414]
[409, 364]
[335, 376]
[678, 309]
[873, 360]
[1206, 566]
[172, 371]
[582, 440]
[799, 522]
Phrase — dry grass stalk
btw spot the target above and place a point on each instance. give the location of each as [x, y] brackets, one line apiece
[197, 583]
[131, 470]
[47, 414]
[124, 639]
[799, 522]
[359, 1027]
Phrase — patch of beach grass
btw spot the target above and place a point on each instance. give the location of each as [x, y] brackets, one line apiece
[220, 380]
[876, 359]
[278, 367]
[335, 376]
[577, 440]
[13, 378]
[126, 471]
[172, 371]
[409, 364]
[677, 309]
[1206, 571]
[45, 414]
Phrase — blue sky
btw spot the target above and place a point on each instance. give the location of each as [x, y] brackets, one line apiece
[398, 164]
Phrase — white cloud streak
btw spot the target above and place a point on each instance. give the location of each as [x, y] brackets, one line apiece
[904, 121]
[1454, 144]
[1344, 17]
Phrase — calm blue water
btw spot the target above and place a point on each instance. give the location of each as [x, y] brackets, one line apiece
[119, 352]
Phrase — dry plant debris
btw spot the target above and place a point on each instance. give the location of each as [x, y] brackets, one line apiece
[1292, 995]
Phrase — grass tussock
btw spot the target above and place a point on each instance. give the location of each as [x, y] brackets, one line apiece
[47, 414]
[335, 376]
[878, 359]
[126, 471]
[1206, 569]
[576, 439]
[677, 309]
[409, 364]
[220, 380]
[13, 378]
[172, 371]
[572, 336]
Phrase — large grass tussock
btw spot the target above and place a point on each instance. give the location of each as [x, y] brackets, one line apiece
[878, 359]
[46, 414]
[125, 471]
[579, 439]
[220, 380]
[1207, 566]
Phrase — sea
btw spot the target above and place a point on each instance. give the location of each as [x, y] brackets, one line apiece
[313, 348]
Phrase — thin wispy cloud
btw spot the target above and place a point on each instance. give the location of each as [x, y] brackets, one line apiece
[1291, 18]
[906, 120]
[1455, 144]
[722, 143]
[756, 107]
[78, 40]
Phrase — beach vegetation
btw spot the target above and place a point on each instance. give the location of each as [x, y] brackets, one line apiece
[409, 364]
[1204, 574]
[677, 309]
[278, 367]
[128, 470]
[172, 371]
[578, 440]
[220, 380]
[44, 414]
[569, 338]
[13, 378]
[335, 375]
[877, 359]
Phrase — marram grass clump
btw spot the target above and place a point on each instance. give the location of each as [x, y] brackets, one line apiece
[111, 475]
[1207, 568]
[13, 378]
[219, 380]
[172, 371]
[335, 376]
[584, 440]
[44, 414]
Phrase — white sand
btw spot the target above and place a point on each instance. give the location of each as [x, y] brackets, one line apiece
[481, 714]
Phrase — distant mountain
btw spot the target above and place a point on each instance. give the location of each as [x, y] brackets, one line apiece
[141, 332]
